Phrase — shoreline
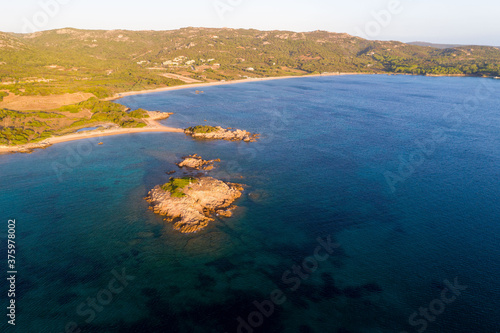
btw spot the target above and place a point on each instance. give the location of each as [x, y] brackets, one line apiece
[222, 83]
[271, 78]
[153, 127]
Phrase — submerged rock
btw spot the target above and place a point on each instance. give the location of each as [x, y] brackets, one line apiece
[219, 133]
[191, 203]
[258, 196]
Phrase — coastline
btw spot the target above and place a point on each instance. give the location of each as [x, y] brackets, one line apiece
[271, 78]
[221, 83]
[153, 127]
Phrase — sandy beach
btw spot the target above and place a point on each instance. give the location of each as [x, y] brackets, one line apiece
[220, 83]
[153, 126]
[117, 131]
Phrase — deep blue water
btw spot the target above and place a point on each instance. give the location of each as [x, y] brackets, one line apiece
[403, 173]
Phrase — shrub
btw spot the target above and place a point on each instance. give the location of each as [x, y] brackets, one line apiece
[131, 123]
[139, 113]
[15, 136]
[99, 92]
[46, 115]
[94, 105]
[140, 125]
[175, 186]
[36, 124]
[202, 129]
[70, 108]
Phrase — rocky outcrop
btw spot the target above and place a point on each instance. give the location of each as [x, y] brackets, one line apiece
[192, 207]
[157, 115]
[197, 163]
[219, 133]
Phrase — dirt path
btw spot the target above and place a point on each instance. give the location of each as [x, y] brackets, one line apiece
[180, 77]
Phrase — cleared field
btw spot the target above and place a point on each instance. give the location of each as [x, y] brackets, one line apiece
[42, 103]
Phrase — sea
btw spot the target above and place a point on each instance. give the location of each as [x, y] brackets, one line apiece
[371, 204]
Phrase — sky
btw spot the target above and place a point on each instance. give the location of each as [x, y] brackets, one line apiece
[437, 21]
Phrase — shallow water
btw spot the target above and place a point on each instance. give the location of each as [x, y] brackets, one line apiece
[319, 170]
[86, 129]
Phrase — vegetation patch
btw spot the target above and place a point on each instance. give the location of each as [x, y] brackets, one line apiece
[21, 127]
[175, 186]
[202, 129]
[36, 123]
[139, 113]
[93, 105]
[15, 136]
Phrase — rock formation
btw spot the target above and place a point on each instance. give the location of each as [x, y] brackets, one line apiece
[197, 163]
[157, 115]
[191, 203]
[219, 133]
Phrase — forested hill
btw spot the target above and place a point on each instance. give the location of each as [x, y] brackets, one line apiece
[107, 62]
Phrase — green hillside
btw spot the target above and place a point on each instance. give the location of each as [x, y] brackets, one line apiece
[107, 62]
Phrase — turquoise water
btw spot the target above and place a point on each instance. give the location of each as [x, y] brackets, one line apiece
[333, 161]
[87, 129]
